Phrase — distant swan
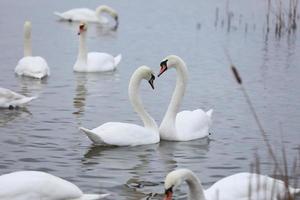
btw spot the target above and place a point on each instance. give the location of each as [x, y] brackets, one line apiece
[185, 125]
[88, 15]
[31, 66]
[10, 99]
[36, 185]
[125, 134]
[93, 61]
[234, 187]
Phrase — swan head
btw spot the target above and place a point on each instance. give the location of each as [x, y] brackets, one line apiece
[27, 29]
[168, 62]
[173, 180]
[113, 13]
[82, 28]
[146, 73]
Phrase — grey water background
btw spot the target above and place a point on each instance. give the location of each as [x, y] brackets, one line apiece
[46, 136]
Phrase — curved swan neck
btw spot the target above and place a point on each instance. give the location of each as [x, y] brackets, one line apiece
[196, 191]
[181, 80]
[82, 51]
[104, 8]
[136, 102]
[27, 39]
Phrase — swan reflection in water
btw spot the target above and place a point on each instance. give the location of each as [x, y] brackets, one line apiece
[7, 116]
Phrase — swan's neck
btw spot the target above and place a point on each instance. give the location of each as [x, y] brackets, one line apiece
[196, 191]
[134, 97]
[82, 51]
[27, 42]
[181, 80]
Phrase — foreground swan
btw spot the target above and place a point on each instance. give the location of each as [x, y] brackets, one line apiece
[234, 187]
[10, 99]
[88, 15]
[93, 61]
[31, 66]
[185, 125]
[125, 134]
[36, 185]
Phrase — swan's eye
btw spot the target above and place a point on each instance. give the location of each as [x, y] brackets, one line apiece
[81, 27]
[164, 63]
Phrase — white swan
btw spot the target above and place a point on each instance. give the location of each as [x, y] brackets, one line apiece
[88, 15]
[36, 185]
[234, 187]
[185, 125]
[10, 99]
[93, 61]
[125, 134]
[31, 66]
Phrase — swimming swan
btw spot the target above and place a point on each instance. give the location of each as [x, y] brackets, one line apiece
[125, 134]
[10, 99]
[185, 125]
[31, 66]
[234, 187]
[93, 61]
[37, 185]
[88, 15]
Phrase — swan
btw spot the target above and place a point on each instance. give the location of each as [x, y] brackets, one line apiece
[88, 15]
[36, 185]
[125, 134]
[31, 66]
[234, 187]
[185, 125]
[10, 99]
[93, 61]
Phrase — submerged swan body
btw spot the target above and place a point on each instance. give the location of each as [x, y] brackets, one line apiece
[37, 185]
[185, 125]
[125, 134]
[10, 99]
[93, 61]
[234, 187]
[31, 66]
[88, 15]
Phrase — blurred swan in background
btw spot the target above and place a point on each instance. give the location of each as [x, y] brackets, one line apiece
[185, 125]
[10, 99]
[31, 66]
[37, 185]
[240, 186]
[125, 134]
[93, 61]
[88, 15]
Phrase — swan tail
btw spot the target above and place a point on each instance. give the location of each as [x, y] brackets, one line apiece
[210, 112]
[294, 190]
[58, 14]
[118, 59]
[92, 136]
[93, 196]
[23, 101]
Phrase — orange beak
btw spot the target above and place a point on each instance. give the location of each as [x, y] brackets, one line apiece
[163, 68]
[168, 195]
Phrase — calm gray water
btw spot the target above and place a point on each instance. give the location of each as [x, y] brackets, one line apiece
[46, 136]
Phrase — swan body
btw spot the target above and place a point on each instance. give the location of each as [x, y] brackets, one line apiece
[125, 134]
[236, 186]
[93, 61]
[12, 99]
[185, 125]
[31, 66]
[88, 15]
[37, 185]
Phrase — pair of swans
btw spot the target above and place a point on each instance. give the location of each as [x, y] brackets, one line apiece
[182, 126]
[88, 15]
[240, 186]
[36, 185]
[10, 99]
[31, 66]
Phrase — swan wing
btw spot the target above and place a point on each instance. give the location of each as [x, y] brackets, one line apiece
[34, 185]
[124, 134]
[10, 98]
[78, 14]
[35, 67]
[193, 124]
[100, 62]
[237, 187]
